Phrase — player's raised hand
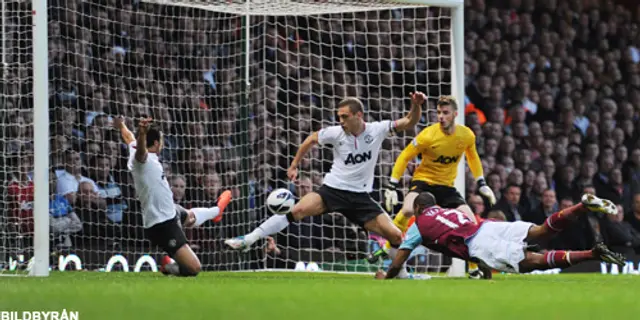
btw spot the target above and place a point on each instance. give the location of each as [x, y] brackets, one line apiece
[418, 97]
[292, 173]
[118, 122]
[144, 125]
[390, 196]
[486, 191]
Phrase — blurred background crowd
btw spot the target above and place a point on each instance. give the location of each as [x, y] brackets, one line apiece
[552, 94]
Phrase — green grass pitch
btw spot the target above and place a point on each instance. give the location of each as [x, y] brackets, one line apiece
[303, 296]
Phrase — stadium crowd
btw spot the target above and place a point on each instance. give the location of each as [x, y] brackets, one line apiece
[552, 94]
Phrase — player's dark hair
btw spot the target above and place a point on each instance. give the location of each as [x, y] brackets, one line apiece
[424, 200]
[153, 134]
[448, 101]
[354, 104]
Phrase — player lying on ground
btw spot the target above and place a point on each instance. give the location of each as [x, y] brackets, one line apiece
[346, 187]
[498, 245]
[162, 219]
[441, 146]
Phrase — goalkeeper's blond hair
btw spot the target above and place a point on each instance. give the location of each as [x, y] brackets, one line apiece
[448, 101]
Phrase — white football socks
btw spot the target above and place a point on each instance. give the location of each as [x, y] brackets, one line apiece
[275, 223]
[204, 214]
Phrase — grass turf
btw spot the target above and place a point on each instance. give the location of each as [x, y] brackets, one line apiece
[242, 296]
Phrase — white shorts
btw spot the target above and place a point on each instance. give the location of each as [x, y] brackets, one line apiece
[500, 245]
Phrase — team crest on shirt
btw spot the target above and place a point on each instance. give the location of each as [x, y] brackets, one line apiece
[460, 144]
[368, 138]
[172, 243]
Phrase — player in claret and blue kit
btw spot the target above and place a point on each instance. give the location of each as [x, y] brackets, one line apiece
[495, 244]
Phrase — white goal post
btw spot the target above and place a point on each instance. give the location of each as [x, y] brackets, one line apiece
[253, 90]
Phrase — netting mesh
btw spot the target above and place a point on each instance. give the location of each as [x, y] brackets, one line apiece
[184, 64]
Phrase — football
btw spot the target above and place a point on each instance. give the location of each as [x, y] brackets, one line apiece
[280, 201]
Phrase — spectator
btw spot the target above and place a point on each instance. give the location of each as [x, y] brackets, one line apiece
[62, 220]
[108, 189]
[509, 204]
[634, 217]
[619, 234]
[477, 204]
[496, 215]
[547, 207]
[70, 179]
[20, 195]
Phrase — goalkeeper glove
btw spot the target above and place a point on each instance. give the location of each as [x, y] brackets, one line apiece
[391, 196]
[485, 191]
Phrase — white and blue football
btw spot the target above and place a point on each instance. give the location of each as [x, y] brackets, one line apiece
[280, 201]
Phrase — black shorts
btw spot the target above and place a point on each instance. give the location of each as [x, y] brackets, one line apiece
[446, 197]
[167, 235]
[358, 207]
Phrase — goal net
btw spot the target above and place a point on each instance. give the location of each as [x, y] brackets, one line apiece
[235, 86]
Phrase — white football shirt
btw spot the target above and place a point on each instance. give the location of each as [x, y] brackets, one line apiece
[354, 158]
[152, 188]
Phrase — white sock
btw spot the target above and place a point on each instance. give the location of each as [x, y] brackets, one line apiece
[403, 274]
[275, 223]
[205, 214]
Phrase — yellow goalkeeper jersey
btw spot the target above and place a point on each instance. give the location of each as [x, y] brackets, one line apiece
[441, 154]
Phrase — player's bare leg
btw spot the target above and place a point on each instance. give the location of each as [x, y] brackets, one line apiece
[310, 205]
[383, 226]
[558, 222]
[185, 263]
[401, 220]
[563, 218]
[563, 259]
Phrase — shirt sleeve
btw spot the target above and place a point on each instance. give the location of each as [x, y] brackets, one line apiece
[410, 152]
[412, 239]
[328, 135]
[385, 128]
[473, 159]
[132, 154]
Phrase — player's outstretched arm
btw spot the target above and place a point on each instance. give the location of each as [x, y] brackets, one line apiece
[475, 165]
[396, 265]
[125, 133]
[141, 142]
[412, 118]
[306, 145]
[410, 152]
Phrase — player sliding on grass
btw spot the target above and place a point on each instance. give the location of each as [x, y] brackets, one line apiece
[498, 245]
[346, 187]
[162, 219]
[441, 146]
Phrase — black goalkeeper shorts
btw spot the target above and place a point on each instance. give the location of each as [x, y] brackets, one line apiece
[446, 197]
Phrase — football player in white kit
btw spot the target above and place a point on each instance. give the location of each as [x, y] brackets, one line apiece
[162, 219]
[347, 186]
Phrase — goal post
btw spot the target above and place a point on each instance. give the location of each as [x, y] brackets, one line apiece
[273, 71]
[40, 265]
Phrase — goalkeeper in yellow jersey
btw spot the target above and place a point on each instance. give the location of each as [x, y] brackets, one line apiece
[441, 146]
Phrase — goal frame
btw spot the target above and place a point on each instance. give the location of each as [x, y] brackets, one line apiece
[40, 265]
